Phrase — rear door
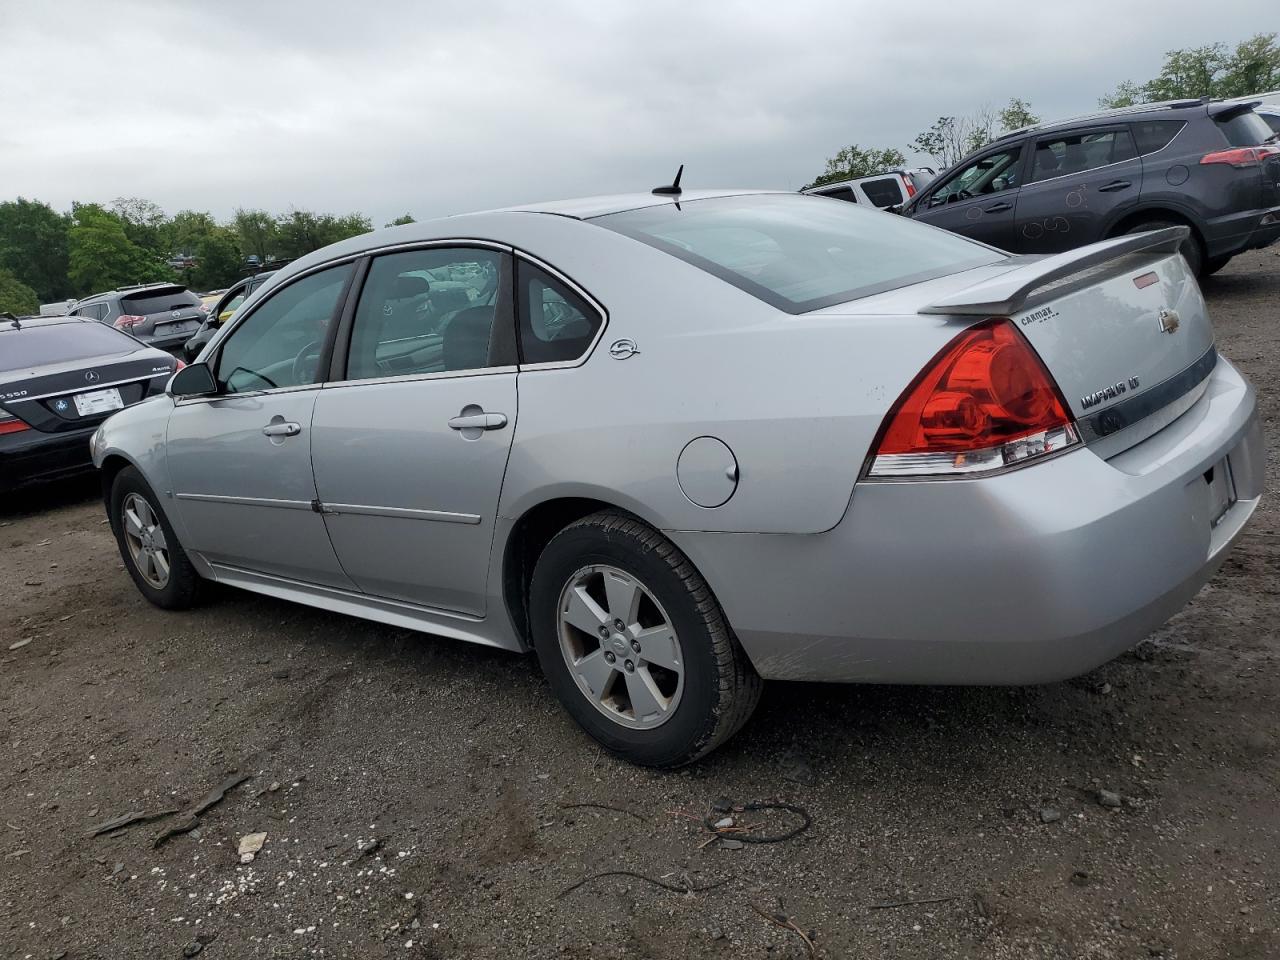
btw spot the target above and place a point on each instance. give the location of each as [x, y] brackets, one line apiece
[979, 200]
[410, 444]
[1079, 182]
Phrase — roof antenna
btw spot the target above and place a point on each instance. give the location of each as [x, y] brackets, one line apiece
[674, 189]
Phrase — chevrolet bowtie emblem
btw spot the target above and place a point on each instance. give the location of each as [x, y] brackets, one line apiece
[1169, 321]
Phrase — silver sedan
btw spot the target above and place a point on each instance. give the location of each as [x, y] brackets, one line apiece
[676, 444]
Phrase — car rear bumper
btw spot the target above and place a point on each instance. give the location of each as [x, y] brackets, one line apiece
[1238, 232]
[1032, 576]
[34, 457]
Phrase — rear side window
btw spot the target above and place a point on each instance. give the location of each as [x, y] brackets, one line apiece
[94, 311]
[37, 346]
[159, 301]
[1066, 154]
[800, 253]
[1153, 135]
[839, 193]
[884, 192]
[1244, 129]
[556, 325]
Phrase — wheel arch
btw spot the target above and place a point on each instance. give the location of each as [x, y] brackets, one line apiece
[1132, 218]
[112, 464]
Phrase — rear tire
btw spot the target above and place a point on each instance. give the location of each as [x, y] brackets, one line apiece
[149, 547]
[694, 685]
[1190, 249]
[1213, 264]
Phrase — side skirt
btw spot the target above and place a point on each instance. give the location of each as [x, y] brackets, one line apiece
[396, 613]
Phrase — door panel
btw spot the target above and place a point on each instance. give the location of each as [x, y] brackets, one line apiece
[409, 500]
[979, 201]
[1082, 181]
[246, 497]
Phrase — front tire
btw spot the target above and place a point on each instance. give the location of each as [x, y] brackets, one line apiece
[150, 549]
[635, 645]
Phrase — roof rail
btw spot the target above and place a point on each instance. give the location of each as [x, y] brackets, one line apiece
[1104, 114]
[144, 286]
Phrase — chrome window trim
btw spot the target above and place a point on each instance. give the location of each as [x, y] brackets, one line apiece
[94, 387]
[413, 377]
[210, 398]
[576, 287]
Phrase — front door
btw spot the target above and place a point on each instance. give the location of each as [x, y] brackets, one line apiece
[240, 461]
[978, 201]
[1079, 182]
[410, 445]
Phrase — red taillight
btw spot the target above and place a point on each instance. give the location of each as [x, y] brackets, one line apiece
[1240, 157]
[178, 364]
[984, 403]
[11, 425]
[907, 185]
[127, 321]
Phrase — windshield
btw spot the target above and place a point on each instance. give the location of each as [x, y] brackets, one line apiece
[34, 346]
[800, 253]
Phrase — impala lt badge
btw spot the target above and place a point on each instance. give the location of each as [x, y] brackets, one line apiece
[1109, 393]
[1169, 321]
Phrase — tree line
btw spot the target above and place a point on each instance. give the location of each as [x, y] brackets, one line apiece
[48, 256]
[1214, 70]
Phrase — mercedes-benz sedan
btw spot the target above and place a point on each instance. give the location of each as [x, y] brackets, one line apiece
[680, 443]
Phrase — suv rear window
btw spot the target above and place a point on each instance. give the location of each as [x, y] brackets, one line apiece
[800, 253]
[1153, 135]
[158, 301]
[37, 346]
[1244, 129]
[884, 192]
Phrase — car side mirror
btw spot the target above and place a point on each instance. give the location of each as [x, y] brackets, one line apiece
[193, 380]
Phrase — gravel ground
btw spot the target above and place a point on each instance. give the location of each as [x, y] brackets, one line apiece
[424, 798]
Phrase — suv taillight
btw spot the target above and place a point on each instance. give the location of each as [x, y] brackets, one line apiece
[127, 321]
[984, 403]
[1240, 157]
[907, 185]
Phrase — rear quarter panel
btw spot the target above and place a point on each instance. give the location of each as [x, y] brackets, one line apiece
[797, 398]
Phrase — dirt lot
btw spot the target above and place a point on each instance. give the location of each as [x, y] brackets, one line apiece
[455, 759]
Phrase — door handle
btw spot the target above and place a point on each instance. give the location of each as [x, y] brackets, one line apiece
[1114, 185]
[281, 430]
[998, 207]
[479, 421]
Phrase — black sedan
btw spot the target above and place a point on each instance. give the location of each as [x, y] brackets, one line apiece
[59, 378]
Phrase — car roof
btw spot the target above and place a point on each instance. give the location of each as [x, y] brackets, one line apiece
[7, 326]
[586, 208]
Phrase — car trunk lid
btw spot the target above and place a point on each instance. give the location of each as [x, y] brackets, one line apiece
[1121, 326]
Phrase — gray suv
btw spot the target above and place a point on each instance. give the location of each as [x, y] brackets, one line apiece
[1210, 166]
[162, 315]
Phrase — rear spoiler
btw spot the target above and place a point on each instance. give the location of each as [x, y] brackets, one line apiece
[1010, 292]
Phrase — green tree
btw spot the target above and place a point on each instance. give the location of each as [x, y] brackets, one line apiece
[1213, 70]
[219, 262]
[257, 232]
[298, 232]
[101, 256]
[950, 139]
[15, 296]
[1016, 115]
[401, 221]
[143, 223]
[855, 161]
[33, 247]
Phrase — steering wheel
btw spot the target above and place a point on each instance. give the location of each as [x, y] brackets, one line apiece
[305, 363]
[960, 195]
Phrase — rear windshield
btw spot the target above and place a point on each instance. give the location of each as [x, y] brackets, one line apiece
[1245, 129]
[158, 301]
[800, 253]
[37, 346]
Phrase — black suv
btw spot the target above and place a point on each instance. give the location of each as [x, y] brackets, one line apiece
[1212, 166]
[162, 315]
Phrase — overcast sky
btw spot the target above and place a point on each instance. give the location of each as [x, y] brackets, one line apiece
[387, 106]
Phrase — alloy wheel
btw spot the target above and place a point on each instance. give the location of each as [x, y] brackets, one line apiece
[620, 646]
[145, 539]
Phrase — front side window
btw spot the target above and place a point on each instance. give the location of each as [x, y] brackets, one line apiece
[427, 311]
[800, 253]
[278, 345]
[991, 174]
[1070, 153]
[556, 325]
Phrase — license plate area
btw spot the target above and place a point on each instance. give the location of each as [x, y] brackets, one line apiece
[1221, 489]
[98, 401]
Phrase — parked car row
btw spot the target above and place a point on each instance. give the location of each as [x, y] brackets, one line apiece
[1211, 166]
